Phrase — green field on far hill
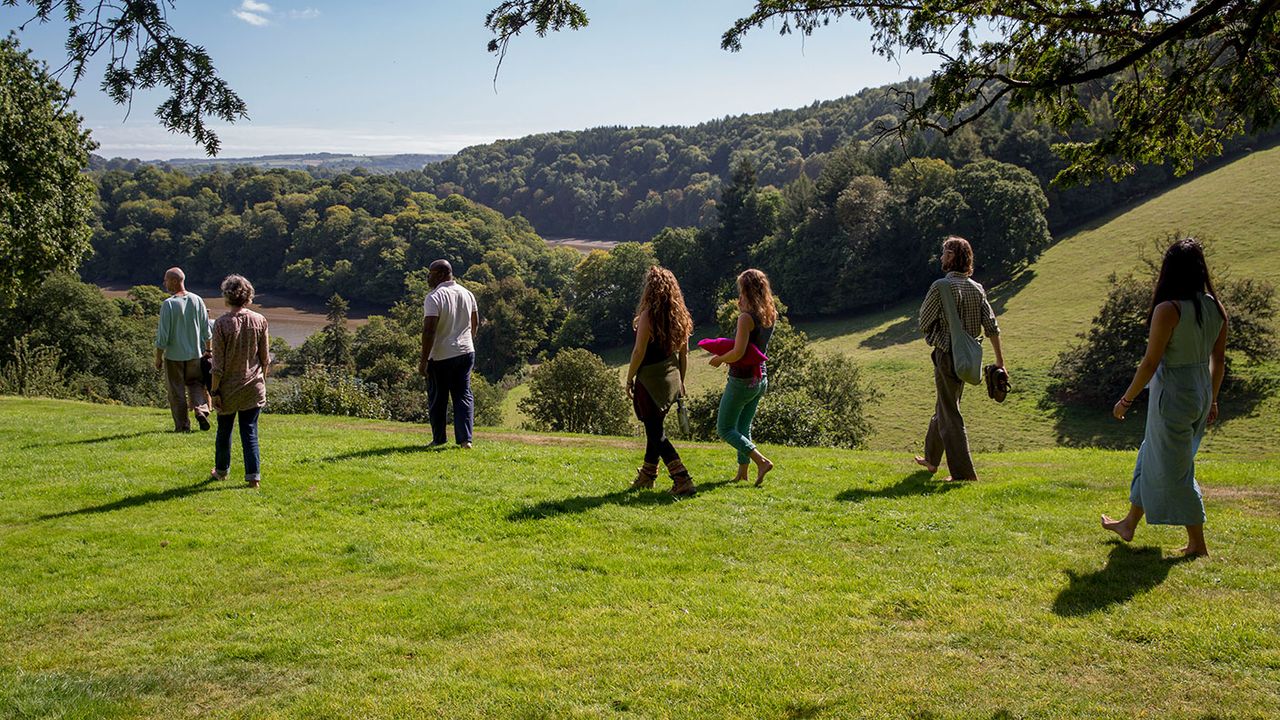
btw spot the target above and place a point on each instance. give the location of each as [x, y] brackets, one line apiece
[1042, 310]
[371, 577]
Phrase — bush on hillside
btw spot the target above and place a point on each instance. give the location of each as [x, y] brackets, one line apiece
[1100, 368]
[323, 391]
[813, 400]
[33, 371]
[576, 392]
[104, 349]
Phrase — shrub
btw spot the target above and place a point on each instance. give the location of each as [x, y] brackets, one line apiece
[327, 392]
[1100, 368]
[576, 392]
[813, 400]
[33, 371]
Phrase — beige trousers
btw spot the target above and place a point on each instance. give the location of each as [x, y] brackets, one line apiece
[946, 433]
[185, 391]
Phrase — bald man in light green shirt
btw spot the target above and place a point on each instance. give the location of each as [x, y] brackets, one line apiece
[182, 336]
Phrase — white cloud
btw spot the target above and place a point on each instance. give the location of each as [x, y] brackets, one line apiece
[253, 19]
[259, 14]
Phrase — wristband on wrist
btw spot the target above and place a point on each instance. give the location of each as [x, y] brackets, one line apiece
[1125, 402]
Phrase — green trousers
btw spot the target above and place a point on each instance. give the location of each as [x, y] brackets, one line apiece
[737, 409]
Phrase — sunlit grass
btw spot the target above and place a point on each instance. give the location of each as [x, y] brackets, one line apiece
[370, 577]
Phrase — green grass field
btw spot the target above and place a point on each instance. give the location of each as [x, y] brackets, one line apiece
[370, 577]
[1041, 312]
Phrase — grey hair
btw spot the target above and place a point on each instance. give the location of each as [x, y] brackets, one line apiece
[237, 290]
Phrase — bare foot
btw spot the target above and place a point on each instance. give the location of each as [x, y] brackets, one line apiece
[1190, 552]
[742, 474]
[1118, 527]
[925, 464]
[762, 468]
[950, 479]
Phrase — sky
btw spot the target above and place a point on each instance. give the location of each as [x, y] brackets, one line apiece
[406, 76]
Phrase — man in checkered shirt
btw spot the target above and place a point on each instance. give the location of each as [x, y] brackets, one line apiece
[946, 434]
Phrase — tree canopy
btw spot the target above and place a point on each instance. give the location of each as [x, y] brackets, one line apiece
[1181, 76]
[45, 200]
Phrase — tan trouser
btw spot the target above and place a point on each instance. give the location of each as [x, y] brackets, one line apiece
[946, 428]
[185, 390]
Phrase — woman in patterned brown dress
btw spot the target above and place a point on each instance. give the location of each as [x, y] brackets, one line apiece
[239, 387]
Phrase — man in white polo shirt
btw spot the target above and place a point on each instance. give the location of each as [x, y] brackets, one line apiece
[449, 322]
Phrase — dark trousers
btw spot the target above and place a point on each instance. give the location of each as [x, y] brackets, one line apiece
[946, 429]
[248, 442]
[186, 391]
[655, 433]
[451, 378]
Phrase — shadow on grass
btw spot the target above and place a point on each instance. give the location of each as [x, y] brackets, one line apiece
[95, 441]
[385, 452]
[147, 498]
[919, 482]
[900, 333]
[1001, 294]
[1128, 572]
[582, 503]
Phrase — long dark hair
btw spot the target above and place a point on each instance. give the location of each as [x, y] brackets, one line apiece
[1183, 274]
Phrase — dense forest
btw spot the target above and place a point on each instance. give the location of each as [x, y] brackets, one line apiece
[627, 183]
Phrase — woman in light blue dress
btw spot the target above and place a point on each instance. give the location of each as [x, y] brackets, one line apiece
[1184, 364]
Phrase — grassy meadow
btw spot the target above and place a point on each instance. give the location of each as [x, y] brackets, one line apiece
[372, 577]
[1042, 310]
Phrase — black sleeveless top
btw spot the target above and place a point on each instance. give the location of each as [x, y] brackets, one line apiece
[653, 353]
[760, 338]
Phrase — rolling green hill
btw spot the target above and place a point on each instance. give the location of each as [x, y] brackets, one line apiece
[1042, 310]
[372, 577]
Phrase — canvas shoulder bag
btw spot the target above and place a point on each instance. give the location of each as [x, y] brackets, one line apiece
[966, 351]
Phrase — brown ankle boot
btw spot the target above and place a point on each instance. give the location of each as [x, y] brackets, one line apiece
[682, 484]
[645, 476]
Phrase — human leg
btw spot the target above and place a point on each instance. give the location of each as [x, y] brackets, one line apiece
[222, 446]
[733, 402]
[437, 402]
[175, 386]
[1195, 542]
[463, 400]
[196, 397]
[950, 424]
[249, 444]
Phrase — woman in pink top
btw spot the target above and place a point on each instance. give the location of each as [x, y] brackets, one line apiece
[239, 387]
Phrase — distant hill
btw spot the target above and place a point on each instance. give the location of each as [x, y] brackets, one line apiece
[627, 183]
[322, 162]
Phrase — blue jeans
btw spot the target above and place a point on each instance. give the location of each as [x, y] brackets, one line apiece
[737, 409]
[248, 442]
[450, 378]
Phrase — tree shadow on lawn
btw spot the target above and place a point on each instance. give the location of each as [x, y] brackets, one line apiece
[919, 482]
[147, 498]
[385, 452]
[95, 441]
[625, 498]
[1128, 572]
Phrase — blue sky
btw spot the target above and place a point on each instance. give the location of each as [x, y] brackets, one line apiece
[412, 76]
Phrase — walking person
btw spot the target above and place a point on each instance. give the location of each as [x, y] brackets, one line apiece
[1183, 369]
[747, 384]
[655, 377]
[955, 297]
[450, 319]
[182, 335]
[241, 356]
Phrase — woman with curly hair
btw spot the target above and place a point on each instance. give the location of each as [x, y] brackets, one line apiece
[655, 377]
[1183, 369]
[746, 385]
